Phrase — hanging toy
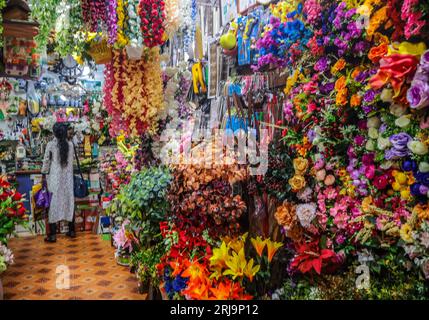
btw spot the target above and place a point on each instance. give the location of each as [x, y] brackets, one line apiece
[198, 78]
[228, 41]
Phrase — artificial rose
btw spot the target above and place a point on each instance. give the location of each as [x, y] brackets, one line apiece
[373, 122]
[376, 53]
[306, 212]
[329, 180]
[383, 143]
[418, 94]
[373, 133]
[386, 95]
[397, 109]
[297, 182]
[381, 182]
[403, 121]
[320, 175]
[370, 145]
[300, 165]
[417, 147]
[285, 215]
[424, 166]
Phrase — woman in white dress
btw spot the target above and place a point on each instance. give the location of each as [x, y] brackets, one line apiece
[58, 166]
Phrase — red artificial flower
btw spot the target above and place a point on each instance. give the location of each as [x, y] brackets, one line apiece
[17, 196]
[310, 257]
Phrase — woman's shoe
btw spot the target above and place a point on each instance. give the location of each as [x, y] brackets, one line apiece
[71, 234]
[51, 239]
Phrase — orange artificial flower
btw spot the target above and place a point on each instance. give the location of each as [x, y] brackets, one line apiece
[340, 83]
[222, 292]
[356, 72]
[194, 270]
[197, 290]
[377, 19]
[338, 66]
[341, 98]
[355, 100]
[272, 248]
[259, 245]
[376, 53]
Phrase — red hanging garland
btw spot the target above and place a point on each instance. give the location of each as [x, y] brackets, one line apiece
[152, 22]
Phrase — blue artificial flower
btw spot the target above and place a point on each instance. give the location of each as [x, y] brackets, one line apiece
[180, 283]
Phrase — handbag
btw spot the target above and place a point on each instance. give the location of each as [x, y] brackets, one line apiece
[43, 197]
[80, 186]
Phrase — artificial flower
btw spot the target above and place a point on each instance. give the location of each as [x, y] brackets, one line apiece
[272, 248]
[297, 182]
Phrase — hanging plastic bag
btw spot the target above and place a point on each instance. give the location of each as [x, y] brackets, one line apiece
[134, 52]
[33, 99]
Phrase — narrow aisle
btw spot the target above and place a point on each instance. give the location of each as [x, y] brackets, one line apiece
[94, 274]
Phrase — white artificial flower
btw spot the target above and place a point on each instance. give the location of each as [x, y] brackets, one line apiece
[424, 167]
[373, 122]
[370, 145]
[403, 121]
[417, 147]
[383, 143]
[373, 133]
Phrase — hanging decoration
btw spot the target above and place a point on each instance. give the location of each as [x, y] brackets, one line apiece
[152, 22]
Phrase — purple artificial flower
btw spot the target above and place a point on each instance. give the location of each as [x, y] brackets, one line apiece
[322, 64]
[327, 88]
[361, 47]
[369, 96]
[359, 140]
[424, 61]
[399, 141]
[382, 128]
[350, 13]
[362, 76]
[311, 135]
[367, 109]
[368, 159]
[418, 94]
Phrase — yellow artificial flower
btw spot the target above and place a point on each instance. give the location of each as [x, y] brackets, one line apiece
[220, 256]
[250, 271]
[236, 265]
[272, 248]
[258, 244]
[297, 182]
[406, 233]
[406, 47]
[300, 165]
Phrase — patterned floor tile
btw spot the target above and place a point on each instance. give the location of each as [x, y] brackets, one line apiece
[89, 260]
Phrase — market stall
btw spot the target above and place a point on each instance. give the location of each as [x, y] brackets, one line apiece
[234, 149]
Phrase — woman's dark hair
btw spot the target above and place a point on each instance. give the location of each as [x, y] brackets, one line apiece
[60, 132]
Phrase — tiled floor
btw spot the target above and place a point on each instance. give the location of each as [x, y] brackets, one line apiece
[94, 275]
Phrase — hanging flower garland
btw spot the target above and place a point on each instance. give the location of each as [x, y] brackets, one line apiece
[172, 16]
[112, 21]
[98, 14]
[121, 40]
[134, 22]
[136, 93]
[152, 22]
